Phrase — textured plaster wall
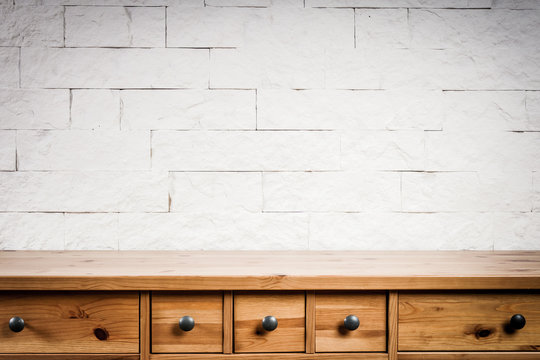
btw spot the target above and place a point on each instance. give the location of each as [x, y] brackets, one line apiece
[269, 124]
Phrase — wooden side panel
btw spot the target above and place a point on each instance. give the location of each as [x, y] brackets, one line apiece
[273, 356]
[144, 325]
[249, 310]
[393, 313]
[333, 307]
[467, 322]
[206, 308]
[228, 322]
[469, 356]
[91, 322]
[310, 322]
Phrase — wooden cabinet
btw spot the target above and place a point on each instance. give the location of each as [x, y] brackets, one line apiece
[331, 310]
[288, 309]
[270, 306]
[203, 309]
[468, 321]
[70, 322]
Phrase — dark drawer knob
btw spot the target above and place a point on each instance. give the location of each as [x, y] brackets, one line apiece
[186, 323]
[16, 324]
[517, 321]
[269, 323]
[351, 322]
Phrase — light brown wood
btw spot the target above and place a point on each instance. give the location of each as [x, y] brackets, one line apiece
[249, 310]
[269, 270]
[69, 357]
[273, 356]
[393, 315]
[469, 356]
[310, 322]
[144, 325]
[228, 322]
[206, 308]
[70, 322]
[333, 307]
[467, 321]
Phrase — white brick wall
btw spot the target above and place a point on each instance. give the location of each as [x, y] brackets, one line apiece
[269, 124]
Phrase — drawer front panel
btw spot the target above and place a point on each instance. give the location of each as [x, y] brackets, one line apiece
[331, 308]
[467, 322]
[70, 322]
[206, 309]
[250, 308]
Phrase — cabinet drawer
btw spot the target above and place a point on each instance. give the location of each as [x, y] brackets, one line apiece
[468, 322]
[206, 311]
[288, 308]
[331, 333]
[70, 322]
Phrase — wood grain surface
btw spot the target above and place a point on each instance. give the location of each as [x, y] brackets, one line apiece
[206, 308]
[468, 356]
[333, 307]
[249, 310]
[467, 321]
[273, 356]
[85, 322]
[27, 270]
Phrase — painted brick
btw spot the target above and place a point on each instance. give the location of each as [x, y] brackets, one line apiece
[95, 109]
[344, 109]
[256, 3]
[9, 62]
[114, 68]
[286, 67]
[95, 26]
[473, 29]
[206, 231]
[113, 2]
[20, 231]
[83, 191]
[459, 4]
[34, 109]
[532, 104]
[233, 27]
[331, 191]
[518, 231]
[245, 150]
[402, 231]
[515, 4]
[481, 151]
[489, 110]
[382, 27]
[188, 109]
[466, 191]
[31, 26]
[7, 150]
[383, 150]
[83, 150]
[216, 192]
[91, 231]
[536, 191]
[451, 69]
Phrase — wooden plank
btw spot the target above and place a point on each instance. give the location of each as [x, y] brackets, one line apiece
[249, 310]
[69, 357]
[393, 315]
[468, 356]
[71, 270]
[228, 322]
[310, 322]
[331, 310]
[467, 321]
[71, 322]
[144, 325]
[275, 356]
[206, 308]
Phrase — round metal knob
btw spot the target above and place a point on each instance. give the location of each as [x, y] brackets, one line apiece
[517, 321]
[186, 323]
[16, 324]
[269, 323]
[351, 322]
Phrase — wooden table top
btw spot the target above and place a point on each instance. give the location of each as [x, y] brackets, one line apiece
[270, 270]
